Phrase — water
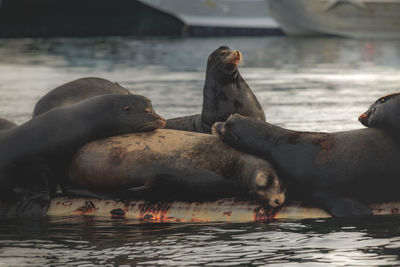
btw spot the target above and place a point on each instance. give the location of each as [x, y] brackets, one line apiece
[303, 84]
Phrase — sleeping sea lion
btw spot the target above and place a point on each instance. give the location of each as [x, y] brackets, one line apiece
[75, 91]
[36, 153]
[225, 92]
[340, 171]
[173, 165]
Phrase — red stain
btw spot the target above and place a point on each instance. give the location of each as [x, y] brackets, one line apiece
[117, 154]
[89, 207]
[395, 211]
[155, 212]
[261, 214]
[227, 213]
[326, 143]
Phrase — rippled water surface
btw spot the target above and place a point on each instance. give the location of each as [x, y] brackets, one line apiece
[304, 84]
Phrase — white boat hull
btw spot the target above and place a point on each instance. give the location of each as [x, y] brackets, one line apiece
[223, 14]
[378, 19]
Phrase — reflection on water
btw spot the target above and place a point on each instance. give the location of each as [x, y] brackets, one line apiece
[88, 241]
[306, 84]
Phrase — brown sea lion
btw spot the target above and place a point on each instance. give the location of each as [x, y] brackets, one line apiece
[173, 165]
[225, 92]
[340, 171]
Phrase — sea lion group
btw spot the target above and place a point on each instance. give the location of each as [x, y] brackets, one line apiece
[94, 137]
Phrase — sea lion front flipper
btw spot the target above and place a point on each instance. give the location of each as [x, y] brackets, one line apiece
[340, 206]
[31, 201]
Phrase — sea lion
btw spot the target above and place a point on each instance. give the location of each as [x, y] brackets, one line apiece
[76, 91]
[6, 124]
[36, 153]
[384, 113]
[341, 171]
[173, 165]
[225, 92]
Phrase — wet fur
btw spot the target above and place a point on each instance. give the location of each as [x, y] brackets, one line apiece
[37, 153]
[384, 114]
[169, 164]
[342, 171]
[75, 91]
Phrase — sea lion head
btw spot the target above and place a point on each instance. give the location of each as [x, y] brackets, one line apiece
[268, 188]
[383, 113]
[223, 63]
[121, 114]
[236, 128]
[265, 184]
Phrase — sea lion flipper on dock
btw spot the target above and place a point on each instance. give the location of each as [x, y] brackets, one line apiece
[340, 206]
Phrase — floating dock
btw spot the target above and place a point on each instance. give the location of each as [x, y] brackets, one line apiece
[224, 210]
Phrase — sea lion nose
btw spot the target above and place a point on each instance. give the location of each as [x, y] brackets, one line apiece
[217, 128]
[238, 56]
[363, 118]
[276, 201]
[163, 122]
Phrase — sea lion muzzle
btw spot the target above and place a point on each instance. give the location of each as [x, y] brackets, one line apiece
[363, 118]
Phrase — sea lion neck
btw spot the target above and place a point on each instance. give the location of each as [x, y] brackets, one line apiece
[217, 98]
[222, 76]
[260, 136]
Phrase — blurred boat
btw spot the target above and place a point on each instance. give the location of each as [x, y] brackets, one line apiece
[220, 17]
[49, 18]
[350, 18]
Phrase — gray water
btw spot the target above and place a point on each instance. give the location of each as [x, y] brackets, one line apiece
[305, 84]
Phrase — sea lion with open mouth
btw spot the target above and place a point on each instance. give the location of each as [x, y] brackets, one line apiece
[225, 92]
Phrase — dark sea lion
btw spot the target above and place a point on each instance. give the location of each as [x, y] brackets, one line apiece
[6, 124]
[35, 154]
[173, 165]
[341, 171]
[225, 92]
[76, 91]
[383, 114]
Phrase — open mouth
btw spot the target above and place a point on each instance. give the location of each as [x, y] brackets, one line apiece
[363, 118]
[233, 60]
